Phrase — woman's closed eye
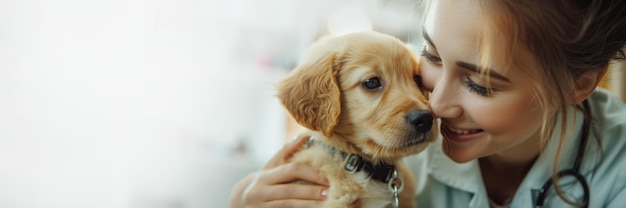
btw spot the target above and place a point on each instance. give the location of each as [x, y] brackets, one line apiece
[430, 57]
[478, 89]
[469, 83]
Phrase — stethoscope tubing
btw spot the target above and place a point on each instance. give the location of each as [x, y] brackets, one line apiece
[575, 170]
[563, 173]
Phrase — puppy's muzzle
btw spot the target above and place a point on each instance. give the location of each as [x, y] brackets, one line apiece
[422, 120]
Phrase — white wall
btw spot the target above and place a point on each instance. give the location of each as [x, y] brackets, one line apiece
[138, 103]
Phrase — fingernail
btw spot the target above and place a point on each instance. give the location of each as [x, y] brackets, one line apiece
[325, 193]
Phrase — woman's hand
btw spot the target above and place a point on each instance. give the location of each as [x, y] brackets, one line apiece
[271, 187]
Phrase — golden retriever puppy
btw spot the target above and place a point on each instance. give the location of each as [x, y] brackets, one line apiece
[360, 97]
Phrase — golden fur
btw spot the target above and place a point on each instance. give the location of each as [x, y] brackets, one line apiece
[326, 94]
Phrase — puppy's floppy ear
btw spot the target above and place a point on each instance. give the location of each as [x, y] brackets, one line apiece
[311, 94]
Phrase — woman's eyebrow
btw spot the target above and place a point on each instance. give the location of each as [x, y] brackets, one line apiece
[427, 38]
[474, 68]
[471, 67]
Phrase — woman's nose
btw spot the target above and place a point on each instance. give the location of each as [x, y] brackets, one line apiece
[444, 101]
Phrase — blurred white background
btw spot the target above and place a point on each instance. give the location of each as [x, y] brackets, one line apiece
[164, 104]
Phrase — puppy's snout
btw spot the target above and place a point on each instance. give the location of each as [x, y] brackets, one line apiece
[422, 120]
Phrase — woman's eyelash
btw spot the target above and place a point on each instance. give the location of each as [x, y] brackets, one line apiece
[430, 57]
[469, 83]
[476, 88]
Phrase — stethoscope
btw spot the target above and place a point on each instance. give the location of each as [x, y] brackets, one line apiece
[575, 170]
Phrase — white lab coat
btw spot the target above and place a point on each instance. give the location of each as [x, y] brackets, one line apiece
[444, 183]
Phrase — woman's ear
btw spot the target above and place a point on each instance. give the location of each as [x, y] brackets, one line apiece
[587, 83]
[311, 94]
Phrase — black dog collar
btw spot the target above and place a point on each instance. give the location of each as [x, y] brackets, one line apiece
[354, 163]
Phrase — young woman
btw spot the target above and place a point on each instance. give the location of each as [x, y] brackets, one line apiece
[522, 123]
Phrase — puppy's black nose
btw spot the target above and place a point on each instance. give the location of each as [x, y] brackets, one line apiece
[421, 119]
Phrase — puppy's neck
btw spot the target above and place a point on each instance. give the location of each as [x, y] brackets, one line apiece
[342, 143]
[351, 162]
[337, 141]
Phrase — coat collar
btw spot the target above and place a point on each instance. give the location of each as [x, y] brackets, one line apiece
[543, 168]
[462, 176]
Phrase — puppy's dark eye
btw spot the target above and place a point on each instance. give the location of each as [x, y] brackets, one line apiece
[372, 83]
[418, 80]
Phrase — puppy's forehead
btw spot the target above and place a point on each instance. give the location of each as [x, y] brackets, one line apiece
[382, 57]
[364, 72]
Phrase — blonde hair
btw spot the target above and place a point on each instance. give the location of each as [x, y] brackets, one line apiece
[567, 37]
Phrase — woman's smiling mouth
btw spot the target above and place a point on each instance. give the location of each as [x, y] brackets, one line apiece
[462, 132]
[460, 135]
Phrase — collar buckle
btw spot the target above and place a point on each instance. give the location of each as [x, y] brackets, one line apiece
[353, 163]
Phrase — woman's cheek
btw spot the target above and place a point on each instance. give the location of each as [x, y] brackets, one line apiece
[510, 114]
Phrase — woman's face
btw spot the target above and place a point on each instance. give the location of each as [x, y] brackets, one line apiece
[475, 123]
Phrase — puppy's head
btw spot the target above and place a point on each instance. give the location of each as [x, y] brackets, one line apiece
[364, 88]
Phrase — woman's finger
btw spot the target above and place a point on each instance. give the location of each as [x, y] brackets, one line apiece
[293, 203]
[286, 152]
[293, 191]
[291, 172]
